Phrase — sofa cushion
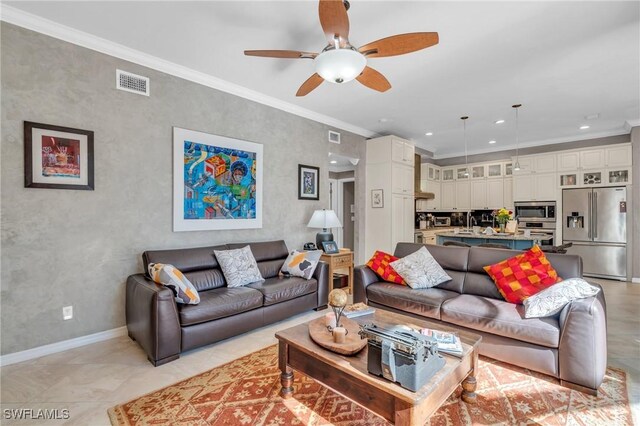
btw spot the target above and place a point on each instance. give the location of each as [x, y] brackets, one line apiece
[206, 279]
[238, 266]
[379, 263]
[452, 259]
[220, 303]
[171, 277]
[523, 275]
[279, 289]
[425, 302]
[501, 318]
[420, 269]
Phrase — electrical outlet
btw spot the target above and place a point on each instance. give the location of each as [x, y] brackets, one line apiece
[67, 312]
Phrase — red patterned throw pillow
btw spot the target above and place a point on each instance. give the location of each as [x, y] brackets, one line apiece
[379, 263]
[522, 276]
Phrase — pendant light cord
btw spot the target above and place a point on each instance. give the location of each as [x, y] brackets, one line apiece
[466, 156]
[517, 165]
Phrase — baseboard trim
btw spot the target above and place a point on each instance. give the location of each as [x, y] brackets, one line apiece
[635, 280]
[64, 345]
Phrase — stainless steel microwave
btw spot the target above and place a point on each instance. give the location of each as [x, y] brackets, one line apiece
[535, 211]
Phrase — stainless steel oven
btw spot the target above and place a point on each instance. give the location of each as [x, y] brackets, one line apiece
[535, 211]
[540, 228]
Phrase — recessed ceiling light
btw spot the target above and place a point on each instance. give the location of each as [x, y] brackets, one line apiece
[333, 162]
[383, 120]
[499, 121]
[429, 134]
[584, 127]
[492, 142]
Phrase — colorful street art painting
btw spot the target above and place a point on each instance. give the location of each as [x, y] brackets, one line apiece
[220, 181]
[60, 157]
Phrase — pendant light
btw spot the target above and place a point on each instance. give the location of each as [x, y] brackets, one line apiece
[516, 166]
[466, 157]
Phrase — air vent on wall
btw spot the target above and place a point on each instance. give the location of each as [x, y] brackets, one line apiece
[132, 83]
[334, 137]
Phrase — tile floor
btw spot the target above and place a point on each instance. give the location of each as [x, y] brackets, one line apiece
[88, 380]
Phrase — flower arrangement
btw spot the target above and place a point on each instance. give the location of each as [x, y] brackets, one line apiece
[502, 215]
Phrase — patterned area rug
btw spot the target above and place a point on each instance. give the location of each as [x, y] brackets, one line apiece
[245, 392]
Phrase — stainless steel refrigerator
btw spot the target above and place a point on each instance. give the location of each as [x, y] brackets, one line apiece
[595, 221]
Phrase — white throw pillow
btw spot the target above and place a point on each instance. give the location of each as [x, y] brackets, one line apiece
[239, 267]
[301, 263]
[171, 277]
[420, 269]
[551, 300]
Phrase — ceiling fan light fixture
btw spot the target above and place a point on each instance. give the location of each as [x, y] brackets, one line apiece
[340, 65]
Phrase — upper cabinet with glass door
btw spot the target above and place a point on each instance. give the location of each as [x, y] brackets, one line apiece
[448, 174]
[477, 171]
[494, 170]
[462, 172]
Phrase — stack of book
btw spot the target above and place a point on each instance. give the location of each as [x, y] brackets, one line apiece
[357, 309]
[448, 343]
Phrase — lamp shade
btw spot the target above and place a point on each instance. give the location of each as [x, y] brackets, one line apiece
[340, 65]
[324, 219]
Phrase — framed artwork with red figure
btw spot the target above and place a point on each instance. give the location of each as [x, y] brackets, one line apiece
[57, 157]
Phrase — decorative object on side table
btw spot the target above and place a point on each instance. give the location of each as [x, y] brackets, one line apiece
[377, 198]
[57, 157]
[308, 182]
[502, 216]
[334, 332]
[324, 219]
[330, 247]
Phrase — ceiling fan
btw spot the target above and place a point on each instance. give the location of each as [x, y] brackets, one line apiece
[339, 62]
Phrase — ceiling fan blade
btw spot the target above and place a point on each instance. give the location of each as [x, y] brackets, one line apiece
[291, 54]
[399, 44]
[309, 85]
[334, 20]
[374, 80]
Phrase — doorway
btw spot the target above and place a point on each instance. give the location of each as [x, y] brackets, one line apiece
[343, 198]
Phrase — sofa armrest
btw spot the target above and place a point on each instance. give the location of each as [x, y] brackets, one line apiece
[363, 277]
[582, 350]
[152, 319]
[321, 274]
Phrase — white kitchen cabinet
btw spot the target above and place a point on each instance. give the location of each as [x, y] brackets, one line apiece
[402, 227]
[545, 188]
[479, 194]
[462, 172]
[494, 170]
[448, 190]
[508, 192]
[569, 161]
[431, 172]
[495, 193]
[568, 179]
[389, 167]
[592, 159]
[535, 187]
[544, 163]
[508, 169]
[523, 187]
[402, 179]
[477, 171]
[619, 156]
[448, 174]
[592, 177]
[463, 195]
[619, 176]
[434, 204]
[526, 165]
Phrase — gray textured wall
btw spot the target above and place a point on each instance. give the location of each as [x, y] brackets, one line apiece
[63, 247]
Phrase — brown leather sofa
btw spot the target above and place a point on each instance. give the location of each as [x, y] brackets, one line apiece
[571, 345]
[164, 328]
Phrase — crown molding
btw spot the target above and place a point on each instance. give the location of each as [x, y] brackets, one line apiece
[630, 124]
[553, 141]
[53, 29]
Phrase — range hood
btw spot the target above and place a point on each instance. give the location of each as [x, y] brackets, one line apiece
[419, 195]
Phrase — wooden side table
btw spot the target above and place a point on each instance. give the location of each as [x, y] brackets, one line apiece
[342, 260]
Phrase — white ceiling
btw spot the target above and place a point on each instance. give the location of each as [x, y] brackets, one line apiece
[562, 60]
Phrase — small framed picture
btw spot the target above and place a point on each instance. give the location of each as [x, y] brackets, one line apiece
[377, 198]
[330, 247]
[308, 182]
[57, 157]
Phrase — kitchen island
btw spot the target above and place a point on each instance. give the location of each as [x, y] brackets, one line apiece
[516, 242]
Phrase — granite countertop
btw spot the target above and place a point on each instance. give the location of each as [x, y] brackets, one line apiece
[435, 228]
[519, 237]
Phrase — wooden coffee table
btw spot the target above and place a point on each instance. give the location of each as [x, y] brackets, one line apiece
[348, 375]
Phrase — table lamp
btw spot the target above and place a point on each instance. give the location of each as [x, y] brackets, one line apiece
[324, 219]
